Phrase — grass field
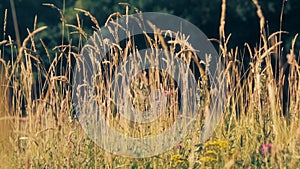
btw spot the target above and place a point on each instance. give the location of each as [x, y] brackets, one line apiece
[252, 132]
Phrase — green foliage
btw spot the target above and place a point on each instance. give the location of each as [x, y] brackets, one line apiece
[241, 18]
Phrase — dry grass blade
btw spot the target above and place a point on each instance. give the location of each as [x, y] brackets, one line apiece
[15, 21]
[269, 50]
[80, 30]
[23, 47]
[45, 47]
[87, 13]
[58, 9]
[222, 21]
[260, 15]
[4, 23]
[3, 42]
[110, 17]
[276, 33]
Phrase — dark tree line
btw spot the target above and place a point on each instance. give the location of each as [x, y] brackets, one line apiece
[241, 18]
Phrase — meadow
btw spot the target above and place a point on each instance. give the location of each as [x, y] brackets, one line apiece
[39, 128]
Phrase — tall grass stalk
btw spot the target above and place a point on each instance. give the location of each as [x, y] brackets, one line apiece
[49, 136]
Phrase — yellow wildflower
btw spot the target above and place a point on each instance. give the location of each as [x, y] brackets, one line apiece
[207, 159]
[211, 152]
[220, 144]
[177, 158]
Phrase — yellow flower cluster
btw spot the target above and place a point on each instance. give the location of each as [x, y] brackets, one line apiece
[212, 150]
[220, 144]
[207, 159]
[177, 158]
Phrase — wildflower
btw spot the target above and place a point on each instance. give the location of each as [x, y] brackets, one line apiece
[177, 158]
[208, 159]
[166, 92]
[211, 153]
[179, 146]
[221, 144]
[265, 149]
[180, 116]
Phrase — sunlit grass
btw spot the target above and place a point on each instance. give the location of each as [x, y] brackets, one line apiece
[51, 137]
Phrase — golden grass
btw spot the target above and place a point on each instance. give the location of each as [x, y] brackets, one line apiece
[5, 125]
[50, 137]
